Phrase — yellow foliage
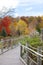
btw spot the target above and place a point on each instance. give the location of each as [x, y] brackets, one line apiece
[22, 26]
[15, 24]
[41, 24]
[26, 31]
[42, 17]
[22, 23]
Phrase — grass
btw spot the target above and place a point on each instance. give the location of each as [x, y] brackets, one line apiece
[33, 41]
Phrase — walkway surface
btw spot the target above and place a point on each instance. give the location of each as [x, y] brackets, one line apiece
[11, 57]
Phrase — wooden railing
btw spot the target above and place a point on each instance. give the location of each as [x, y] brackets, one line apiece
[30, 56]
[5, 45]
[9, 43]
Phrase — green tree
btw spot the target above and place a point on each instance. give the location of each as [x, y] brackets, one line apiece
[38, 24]
[3, 33]
[38, 29]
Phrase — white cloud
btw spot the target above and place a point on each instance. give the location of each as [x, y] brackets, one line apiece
[30, 2]
[33, 13]
[8, 3]
[29, 9]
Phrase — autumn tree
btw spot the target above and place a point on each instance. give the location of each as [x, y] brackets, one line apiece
[38, 19]
[25, 19]
[38, 23]
[30, 19]
[0, 27]
[3, 32]
[41, 23]
[22, 26]
[13, 28]
[6, 21]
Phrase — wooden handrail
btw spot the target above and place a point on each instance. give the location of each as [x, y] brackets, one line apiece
[32, 51]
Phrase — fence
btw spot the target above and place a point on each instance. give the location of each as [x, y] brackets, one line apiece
[31, 56]
[5, 45]
[9, 43]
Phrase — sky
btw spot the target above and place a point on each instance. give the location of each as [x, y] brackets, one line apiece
[23, 7]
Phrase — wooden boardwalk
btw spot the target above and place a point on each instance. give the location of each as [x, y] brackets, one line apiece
[11, 57]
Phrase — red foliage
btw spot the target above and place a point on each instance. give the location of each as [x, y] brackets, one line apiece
[0, 26]
[8, 30]
[6, 21]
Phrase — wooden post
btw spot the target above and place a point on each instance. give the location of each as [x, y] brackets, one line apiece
[2, 49]
[2, 42]
[20, 50]
[41, 34]
[7, 45]
[27, 54]
[39, 61]
[11, 43]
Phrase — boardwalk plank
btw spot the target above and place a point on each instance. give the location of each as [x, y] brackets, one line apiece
[11, 57]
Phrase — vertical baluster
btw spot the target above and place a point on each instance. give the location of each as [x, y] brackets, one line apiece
[20, 50]
[27, 54]
[39, 61]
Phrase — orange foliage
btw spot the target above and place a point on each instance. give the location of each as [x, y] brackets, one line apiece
[0, 27]
[8, 30]
[6, 21]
